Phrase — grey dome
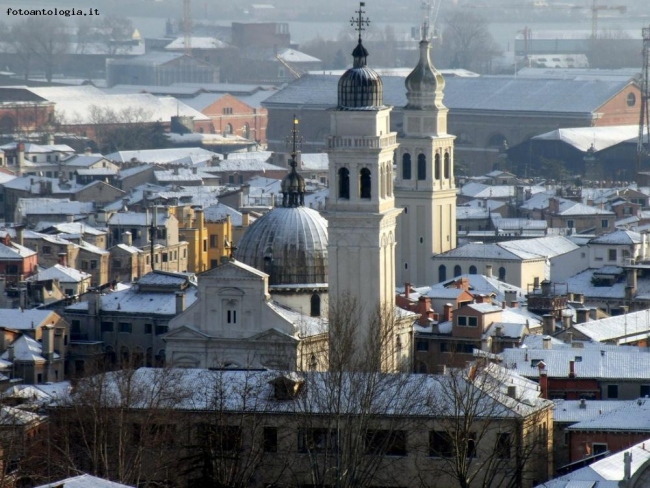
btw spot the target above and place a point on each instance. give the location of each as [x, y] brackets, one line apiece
[424, 85]
[289, 244]
[360, 87]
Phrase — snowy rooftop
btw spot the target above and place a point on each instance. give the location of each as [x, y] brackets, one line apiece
[589, 363]
[632, 326]
[618, 237]
[63, 274]
[84, 481]
[14, 251]
[26, 349]
[25, 319]
[582, 283]
[571, 411]
[218, 212]
[138, 218]
[197, 43]
[164, 156]
[630, 417]
[52, 206]
[582, 138]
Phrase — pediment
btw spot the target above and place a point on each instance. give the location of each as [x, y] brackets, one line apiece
[273, 335]
[234, 270]
[185, 332]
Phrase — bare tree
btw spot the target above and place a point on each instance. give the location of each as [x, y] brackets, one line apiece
[467, 42]
[491, 429]
[114, 34]
[43, 39]
[117, 425]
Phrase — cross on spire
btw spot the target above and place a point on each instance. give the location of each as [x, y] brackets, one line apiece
[359, 20]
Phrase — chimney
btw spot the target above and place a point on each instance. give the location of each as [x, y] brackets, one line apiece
[424, 309]
[69, 218]
[180, 302]
[566, 321]
[511, 296]
[47, 341]
[199, 218]
[194, 170]
[583, 403]
[582, 315]
[488, 270]
[447, 312]
[87, 151]
[503, 305]
[127, 238]
[10, 353]
[543, 379]
[498, 330]
[20, 234]
[21, 157]
[572, 368]
[407, 290]
[548, 324]
[514, 304]
[245, 219]
[631, 279]
[627, 465]
[546, 342]
[568, 338]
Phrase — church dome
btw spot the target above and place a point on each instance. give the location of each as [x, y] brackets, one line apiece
[424, 85]
[360, 87]
[289, 244]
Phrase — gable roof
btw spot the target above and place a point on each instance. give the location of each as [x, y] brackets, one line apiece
[483, 93]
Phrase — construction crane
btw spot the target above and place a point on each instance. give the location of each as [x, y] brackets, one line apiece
[644, 118]
[595, 9]
[187, 26]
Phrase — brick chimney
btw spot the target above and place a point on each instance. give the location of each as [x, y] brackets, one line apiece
[543, 379]
[447, 314]
[425, 310]
[407, 290]
[572, 369]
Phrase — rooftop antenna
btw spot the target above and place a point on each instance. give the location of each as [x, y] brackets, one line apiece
[644, 116]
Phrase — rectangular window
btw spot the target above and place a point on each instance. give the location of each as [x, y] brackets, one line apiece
[117, 263]
[205, 245]
[161, 329]
[214, 239]
[386, 442]
[84, 264]
[570, 224]
[231, 316]
[611, 254]
[645, 391]
[107, 326]
[422, 345]
[47, 250]
[472, 321]
[270, 440]
[75, 327]
[462, 320]
[93, 264]
[316, 440]
[148, 328]
[604, 223]
[503, 446]
[440, 444]
[612, 391]
[126, 327]
[598, 448]
[164, 257]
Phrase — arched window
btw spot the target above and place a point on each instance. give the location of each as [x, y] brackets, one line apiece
[160, 358]
[313, 362]
[344, 183]
[442, 273]
[137, 361]
[422, 167]
[246, 131]
[502, 273]
[472, 269]
[315, 305]
[406, 166]
[228, 129]
[436, 166]
[125, 355]
[447, 170]
[457, 271]
[364, 189]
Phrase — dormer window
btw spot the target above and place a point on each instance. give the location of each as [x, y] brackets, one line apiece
[287, 386]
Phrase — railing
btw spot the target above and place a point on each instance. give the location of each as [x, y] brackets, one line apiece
[374, 142]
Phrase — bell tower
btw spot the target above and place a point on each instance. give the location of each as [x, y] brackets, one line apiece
[424, 183]
[361, 210]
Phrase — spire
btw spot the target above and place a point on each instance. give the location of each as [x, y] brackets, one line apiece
[293, 185]
[360, 53]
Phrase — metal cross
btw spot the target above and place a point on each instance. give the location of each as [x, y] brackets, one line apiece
[359, 20]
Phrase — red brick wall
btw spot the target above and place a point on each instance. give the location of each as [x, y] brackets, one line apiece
[617, 112]
[239, 114]
[573, 387]
[581, 442]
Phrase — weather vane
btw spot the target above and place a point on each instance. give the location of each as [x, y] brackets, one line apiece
[359, 20]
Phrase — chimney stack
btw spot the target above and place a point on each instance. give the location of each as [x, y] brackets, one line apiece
[407, 290]
[245, 219]
[448, 312]
[47, 342]
[572, 368]
[20, 234]
[548, 324]
[180, 302]
[627, 465]
[488, 270]
[10, 353]
[127, 238]
[546, 342]
[543, 379]
[582, 315]
[566, 321]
